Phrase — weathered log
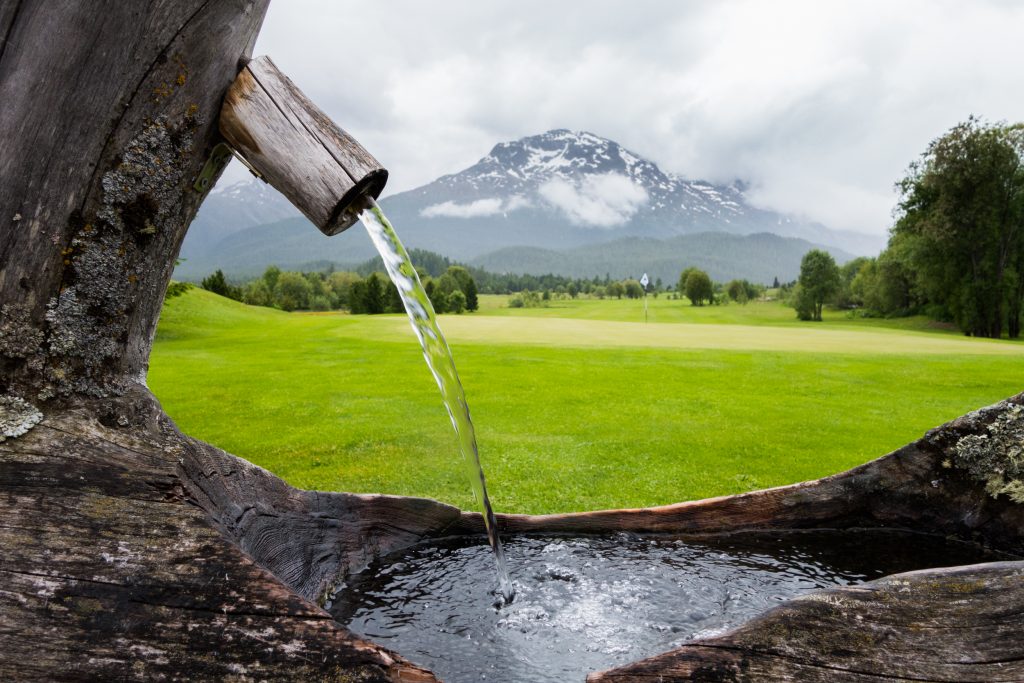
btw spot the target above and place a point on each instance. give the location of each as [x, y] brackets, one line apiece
[319, 167]
[112, 570]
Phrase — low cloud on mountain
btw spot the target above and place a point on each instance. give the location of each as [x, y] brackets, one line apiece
[819, 106]
[481, 207]
[491, 206]
[602, 201]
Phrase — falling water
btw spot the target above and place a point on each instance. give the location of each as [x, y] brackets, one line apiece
[442, 366]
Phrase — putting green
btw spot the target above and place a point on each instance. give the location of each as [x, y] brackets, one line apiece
[546, 331]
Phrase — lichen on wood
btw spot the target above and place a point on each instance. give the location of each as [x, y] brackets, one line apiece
[996, 456]
[87, 322]
[18, 338]
[142, 192]
[17, 417]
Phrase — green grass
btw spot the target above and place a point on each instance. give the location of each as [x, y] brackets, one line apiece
[576, 408]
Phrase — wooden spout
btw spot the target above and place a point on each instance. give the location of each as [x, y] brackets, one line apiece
[319, 167]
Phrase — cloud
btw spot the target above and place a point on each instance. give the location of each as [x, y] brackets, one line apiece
[517, 202]
[600, 201]
[481, 207]
[819, 105]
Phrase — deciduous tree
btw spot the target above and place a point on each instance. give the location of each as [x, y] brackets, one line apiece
[819, 281]
[961, 225]
[699, 287]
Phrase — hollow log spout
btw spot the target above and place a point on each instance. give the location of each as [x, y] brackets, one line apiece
[133, 552]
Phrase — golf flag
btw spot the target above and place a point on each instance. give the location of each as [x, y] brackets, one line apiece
[644, 281]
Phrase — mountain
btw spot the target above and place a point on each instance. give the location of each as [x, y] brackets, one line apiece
[556, 191]
[289, 244]
[231, 209]
[760, 257]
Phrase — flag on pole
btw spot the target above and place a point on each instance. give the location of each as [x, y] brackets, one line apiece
[643, 283]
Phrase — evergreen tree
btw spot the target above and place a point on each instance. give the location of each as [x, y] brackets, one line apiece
[373, 294]
[393, 300]
[218, 284]
[215, 283]
[472, 301]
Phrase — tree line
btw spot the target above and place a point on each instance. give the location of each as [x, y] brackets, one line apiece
[956, 249]
[453, 288]
[697, 286]
[454, 291]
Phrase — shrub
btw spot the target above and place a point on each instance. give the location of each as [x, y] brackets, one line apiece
[456, 302]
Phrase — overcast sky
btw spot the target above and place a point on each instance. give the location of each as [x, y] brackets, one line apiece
[820, 105]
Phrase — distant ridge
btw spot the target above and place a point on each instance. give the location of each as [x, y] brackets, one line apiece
[758, 258]
[559, 190]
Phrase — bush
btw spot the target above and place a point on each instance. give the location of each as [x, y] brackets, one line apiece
[257, 293]
[319, 303]
[699, 287]
[218, 284]
[292, 291]
[632, 288]
[803, 302]
[177, 289]
[526, 299]
[456, 302]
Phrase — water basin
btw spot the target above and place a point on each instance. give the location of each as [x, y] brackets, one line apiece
[591, 603]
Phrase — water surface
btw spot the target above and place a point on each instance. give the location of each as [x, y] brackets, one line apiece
[591, 603]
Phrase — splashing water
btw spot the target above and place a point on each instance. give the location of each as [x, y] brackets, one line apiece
[442, 366]
[592, 602]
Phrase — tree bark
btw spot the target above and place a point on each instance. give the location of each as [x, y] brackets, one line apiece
[112, 569]
[109, 112]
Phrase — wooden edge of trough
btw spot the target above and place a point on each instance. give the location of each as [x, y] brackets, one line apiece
[133, 543]
[955, 624]
[957, 481]
[113, 568]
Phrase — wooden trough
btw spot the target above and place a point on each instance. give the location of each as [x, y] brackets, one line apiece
[133, 552]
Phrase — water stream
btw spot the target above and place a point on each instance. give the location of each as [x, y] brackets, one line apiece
[442, 366]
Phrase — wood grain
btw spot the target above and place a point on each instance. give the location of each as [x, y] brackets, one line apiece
[108, 114]
[319, 167]
[111, 571]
